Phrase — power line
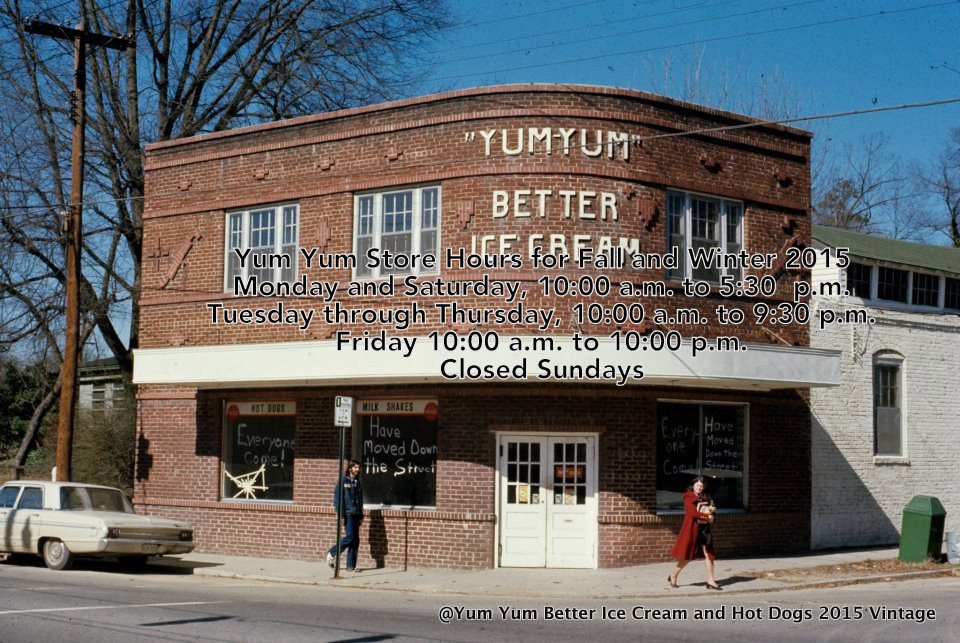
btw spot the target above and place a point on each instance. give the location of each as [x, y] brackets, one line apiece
[698, 132]
[687, 23]
[763, 32]
[579, 28]
[576, 5]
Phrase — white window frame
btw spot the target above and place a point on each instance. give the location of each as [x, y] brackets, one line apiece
[874, 296]
[238, 229]
[896, 361]
[685, 232]
[369, 223]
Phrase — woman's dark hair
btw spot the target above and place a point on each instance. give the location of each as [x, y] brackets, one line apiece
[349, 465]
[695, 481]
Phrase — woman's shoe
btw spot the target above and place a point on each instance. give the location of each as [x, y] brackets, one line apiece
[672, 584]
[716, 587]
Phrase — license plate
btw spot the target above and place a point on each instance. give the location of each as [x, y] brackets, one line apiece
[149, 549]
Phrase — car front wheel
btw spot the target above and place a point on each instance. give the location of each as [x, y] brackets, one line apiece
[57, 555]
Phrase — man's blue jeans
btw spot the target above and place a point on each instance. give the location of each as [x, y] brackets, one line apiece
[351, 540]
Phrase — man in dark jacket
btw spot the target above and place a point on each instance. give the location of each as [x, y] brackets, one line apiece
[352, 515]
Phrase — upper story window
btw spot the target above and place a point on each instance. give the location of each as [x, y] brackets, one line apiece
[951, 299]
[703, 225]
[267, 238]
[892, 284]
[858, 280]
[98, 395]
[926, 290]
[899, 286]
[403, 222]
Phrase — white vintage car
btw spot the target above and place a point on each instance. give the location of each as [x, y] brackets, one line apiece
[61, 520]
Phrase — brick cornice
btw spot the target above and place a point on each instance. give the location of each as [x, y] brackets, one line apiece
[532, 88]
[663, 125]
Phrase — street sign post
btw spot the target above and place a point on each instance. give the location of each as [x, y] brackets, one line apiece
[343, 418]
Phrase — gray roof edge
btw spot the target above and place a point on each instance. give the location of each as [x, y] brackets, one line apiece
[908, 253]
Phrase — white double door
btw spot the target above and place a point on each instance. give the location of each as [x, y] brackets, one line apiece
[547, 500]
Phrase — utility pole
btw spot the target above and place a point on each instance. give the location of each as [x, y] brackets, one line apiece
[73, 225]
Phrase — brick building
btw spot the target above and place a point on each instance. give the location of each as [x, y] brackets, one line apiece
[480, 446]
[889, 431]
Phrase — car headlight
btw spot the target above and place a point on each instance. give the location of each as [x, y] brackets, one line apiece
[186, 535]
[113, 532]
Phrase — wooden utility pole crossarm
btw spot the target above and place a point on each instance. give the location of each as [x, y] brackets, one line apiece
[73, 228]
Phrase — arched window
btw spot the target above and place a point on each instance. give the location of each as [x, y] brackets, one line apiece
[887, 404]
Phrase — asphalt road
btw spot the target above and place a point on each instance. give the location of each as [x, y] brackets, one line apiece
[101, 602]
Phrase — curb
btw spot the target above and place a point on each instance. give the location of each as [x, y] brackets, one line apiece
[861, 580]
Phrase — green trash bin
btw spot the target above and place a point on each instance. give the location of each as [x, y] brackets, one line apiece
[922, 534]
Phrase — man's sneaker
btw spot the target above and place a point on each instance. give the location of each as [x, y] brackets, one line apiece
[352, 569]
[330, 560]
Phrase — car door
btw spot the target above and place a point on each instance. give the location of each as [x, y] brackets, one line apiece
[24, 520]
[8, 498]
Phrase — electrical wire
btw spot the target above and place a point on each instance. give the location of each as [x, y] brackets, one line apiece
[700, 41]
[687, 23]
[640, 139]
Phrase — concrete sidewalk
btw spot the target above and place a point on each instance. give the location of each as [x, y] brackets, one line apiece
[735, 576]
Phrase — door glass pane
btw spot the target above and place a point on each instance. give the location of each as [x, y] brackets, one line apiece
[570, 473]
[523, 473]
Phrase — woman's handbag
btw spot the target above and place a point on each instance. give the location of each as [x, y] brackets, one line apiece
[703, 534]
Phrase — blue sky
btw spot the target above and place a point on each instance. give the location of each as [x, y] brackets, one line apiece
[827, 55]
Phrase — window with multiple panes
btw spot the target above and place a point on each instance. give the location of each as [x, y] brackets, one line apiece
[267, 238]
[403, 222]
[259, 450]
[98, 395]
[887, 417]
[926, 290]
[703, 224]
[858, 280]
[701, 439]
[951, 299]
[903, 286]
[892, 284]
[569, 473]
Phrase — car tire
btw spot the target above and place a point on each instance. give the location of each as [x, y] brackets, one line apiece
[56, 555]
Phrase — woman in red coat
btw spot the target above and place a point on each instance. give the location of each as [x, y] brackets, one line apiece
[694, 540]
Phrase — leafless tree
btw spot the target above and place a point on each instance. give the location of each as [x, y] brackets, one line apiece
[867, 189]
[940, 181]
[199, 66]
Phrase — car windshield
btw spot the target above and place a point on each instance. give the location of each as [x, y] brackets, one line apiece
[93, 499]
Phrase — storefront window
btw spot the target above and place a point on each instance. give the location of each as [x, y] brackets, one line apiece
[701, 439]
[258, 451]
[398, 452]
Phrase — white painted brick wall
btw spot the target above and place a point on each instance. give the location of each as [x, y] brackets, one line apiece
[857, 499]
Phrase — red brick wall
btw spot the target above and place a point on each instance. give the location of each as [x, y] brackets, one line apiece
[321, 162]
[192, 184]
[183, 479]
